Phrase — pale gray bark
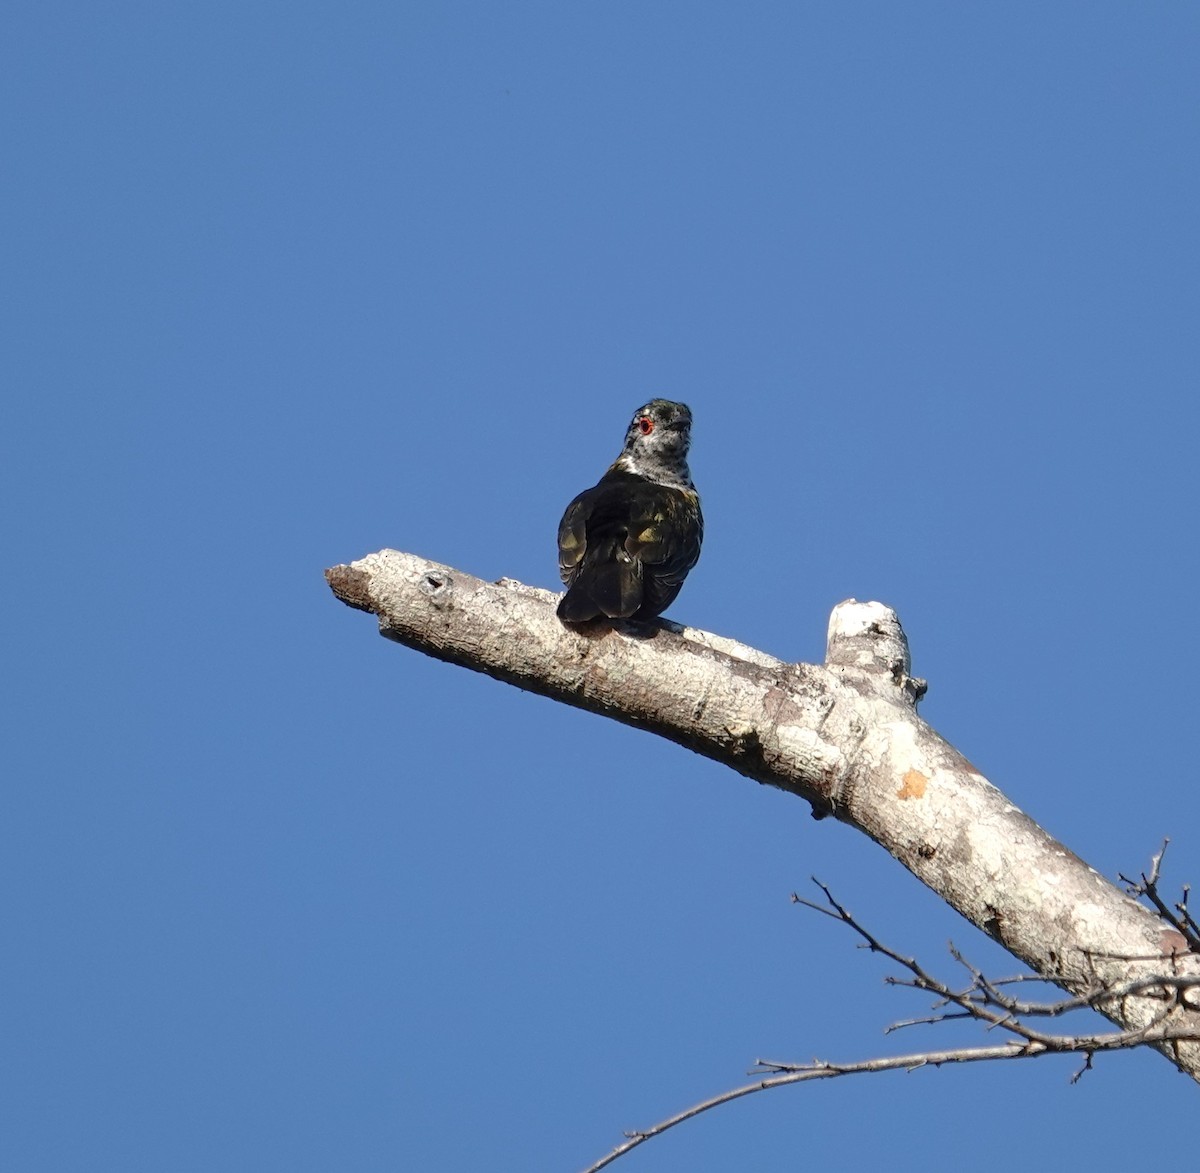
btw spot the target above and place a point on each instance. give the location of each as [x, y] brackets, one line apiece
[845, 736]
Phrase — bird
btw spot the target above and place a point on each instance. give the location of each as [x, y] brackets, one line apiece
[626, 544]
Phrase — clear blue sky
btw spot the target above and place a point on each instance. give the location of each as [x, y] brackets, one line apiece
[288, 283]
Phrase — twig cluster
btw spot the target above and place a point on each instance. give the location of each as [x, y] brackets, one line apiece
[1177, 916]
[990, 1002]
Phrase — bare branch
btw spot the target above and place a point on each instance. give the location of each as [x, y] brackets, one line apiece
[844, 736]
[819, 1069]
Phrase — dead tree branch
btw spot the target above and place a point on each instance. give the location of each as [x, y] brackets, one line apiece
[844, 736]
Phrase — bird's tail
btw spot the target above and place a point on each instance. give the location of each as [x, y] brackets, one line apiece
[609, 584]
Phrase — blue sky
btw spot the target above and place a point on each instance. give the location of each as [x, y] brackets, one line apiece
[286, 284]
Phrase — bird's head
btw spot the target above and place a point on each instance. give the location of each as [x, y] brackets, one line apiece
[657, 442]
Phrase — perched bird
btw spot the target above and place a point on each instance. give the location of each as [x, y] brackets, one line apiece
[626, 544]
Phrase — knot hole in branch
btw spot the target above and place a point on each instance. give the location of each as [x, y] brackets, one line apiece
[437, 584]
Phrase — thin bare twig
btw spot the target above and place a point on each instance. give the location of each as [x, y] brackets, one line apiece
[818, 1069]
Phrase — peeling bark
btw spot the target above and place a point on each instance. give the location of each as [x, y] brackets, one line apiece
[845, 736]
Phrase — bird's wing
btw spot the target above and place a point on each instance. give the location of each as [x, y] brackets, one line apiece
[572, 538]
[596, 516]
[661, 518]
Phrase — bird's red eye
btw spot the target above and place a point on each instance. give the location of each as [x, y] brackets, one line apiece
[645, 425]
